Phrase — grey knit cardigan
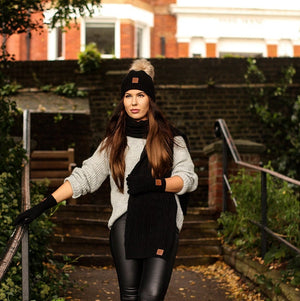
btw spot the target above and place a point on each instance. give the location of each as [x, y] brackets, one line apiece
[95, 170]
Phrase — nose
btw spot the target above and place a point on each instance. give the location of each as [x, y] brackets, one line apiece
[134, 101]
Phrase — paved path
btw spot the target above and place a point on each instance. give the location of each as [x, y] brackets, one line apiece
[100, 284]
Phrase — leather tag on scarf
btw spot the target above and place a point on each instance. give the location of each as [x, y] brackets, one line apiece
[158, 182]
[160, 252]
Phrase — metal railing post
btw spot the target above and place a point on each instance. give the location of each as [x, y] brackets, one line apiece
[25, 206]
[264, 208]
[225, 172]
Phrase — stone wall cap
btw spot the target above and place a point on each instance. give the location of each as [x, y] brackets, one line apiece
[243, 146]
[50, 102]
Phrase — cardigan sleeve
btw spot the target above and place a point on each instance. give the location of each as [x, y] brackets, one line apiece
[91, 175]
[183, 166]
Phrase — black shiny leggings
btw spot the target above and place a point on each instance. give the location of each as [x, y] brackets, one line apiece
[140, 279]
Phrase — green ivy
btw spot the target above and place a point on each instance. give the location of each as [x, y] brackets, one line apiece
[292, 272]
[10, 89]
[278, 110]
[48, 279]
[69, 90]
[283, 216]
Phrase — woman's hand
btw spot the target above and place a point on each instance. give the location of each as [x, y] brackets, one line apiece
[31, 214]
[141, 184]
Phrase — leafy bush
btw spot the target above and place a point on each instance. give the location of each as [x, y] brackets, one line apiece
[278, 110]
[45, 283]
[89, 60]
[10, 89]
[69, 90]
[283, 215]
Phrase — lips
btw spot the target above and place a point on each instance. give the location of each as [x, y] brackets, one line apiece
[135, 111]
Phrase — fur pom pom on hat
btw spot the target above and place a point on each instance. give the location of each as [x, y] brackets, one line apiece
[140, 77]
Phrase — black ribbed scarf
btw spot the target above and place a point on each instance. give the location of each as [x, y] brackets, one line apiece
[136, 129]
[151, 217]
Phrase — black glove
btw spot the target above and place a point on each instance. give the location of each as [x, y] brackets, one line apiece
[142, 184]
[29, 215]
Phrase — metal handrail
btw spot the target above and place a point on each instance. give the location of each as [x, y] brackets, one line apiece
[221, 131]
[20, 233]
[11, 249]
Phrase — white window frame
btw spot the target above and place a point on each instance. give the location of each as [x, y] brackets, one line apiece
[102, 20]
[52, 45]
[145, 50]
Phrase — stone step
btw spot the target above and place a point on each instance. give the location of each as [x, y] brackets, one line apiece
[81, 226]
[199, 246]
[107, 260]
[78, 245]
[103, 212]
[98, 227]
[201, 213]
[201, 228]
[100, 245]
[85, 259]
[81, 233]
[84, 211]
[197, 259]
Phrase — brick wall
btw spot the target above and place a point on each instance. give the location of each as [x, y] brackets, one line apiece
[17, 44]
[127, 38]
[183, 49]
[296, 50]
[250, 152]
[72, 42]
[272, 50]
[182, 91]
[39, 39]
[164, 27]
[211, 50]
[14, 45]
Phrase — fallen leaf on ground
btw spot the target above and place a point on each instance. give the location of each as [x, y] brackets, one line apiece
[228, 279]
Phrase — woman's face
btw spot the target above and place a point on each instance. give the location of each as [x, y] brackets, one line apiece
[136, 103]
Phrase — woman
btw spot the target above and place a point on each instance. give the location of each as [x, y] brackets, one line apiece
[149, 166]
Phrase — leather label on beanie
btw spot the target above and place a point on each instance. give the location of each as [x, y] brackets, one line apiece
[135, 80]
[160, 252]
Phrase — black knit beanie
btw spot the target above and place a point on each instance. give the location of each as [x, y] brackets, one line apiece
[138, 80]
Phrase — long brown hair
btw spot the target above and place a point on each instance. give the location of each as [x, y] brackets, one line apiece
[159, 143]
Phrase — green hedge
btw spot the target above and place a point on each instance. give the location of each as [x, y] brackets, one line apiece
[48, 279]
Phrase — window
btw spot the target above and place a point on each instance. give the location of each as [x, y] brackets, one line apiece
[240, 54]
[103, 34]
[139, 42]
[163, 46]
[142, 40]
[56, 41]
[59, 42]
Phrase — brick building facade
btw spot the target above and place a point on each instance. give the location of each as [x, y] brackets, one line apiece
[172, 29]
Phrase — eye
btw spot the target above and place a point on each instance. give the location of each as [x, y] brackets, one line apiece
[141, 95]
[127, 95]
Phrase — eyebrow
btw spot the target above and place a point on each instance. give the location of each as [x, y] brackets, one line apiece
[142, 92]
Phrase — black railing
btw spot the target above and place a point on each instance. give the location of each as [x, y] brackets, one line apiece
[21, 232]
[221, 131]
